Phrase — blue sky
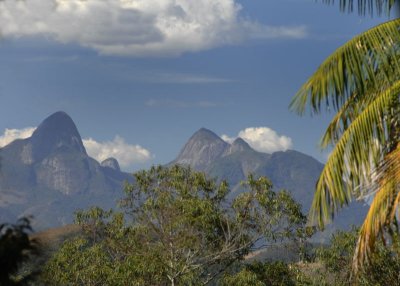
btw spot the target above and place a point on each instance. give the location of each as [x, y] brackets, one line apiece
[144, 75]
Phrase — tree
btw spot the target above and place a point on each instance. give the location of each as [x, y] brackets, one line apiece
[262, 274]
[177, 229]
[360, 81]
[16, 248]
[336, 259]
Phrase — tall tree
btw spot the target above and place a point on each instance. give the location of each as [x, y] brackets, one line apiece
[178, 229]
[360, 81]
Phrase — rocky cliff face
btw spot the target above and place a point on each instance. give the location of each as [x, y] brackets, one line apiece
[50, 175]
[66, 172]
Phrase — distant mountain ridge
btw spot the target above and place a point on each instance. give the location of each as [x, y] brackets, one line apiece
[205, 151]
[290, 170]
[49, 175]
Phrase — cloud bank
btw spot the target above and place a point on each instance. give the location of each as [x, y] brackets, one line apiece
[137, 27]
[262, 139]
[126, 154]
[10, 135]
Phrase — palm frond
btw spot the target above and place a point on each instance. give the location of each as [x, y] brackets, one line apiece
[389, 169]
[368, 62]
[340, 122]
[365, 6]
[383, 210]
[350, 165]
[374, 224]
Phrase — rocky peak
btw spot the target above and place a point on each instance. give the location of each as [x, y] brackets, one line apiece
[55, 132]
[239, 145]
[204, 134]
[202, 148]
[111, 163]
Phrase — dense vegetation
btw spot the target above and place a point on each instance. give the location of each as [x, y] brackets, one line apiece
[337, 259]
[330, 266]
[177, 228]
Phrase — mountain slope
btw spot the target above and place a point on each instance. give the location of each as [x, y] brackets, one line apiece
[50, 175]
[203, 148]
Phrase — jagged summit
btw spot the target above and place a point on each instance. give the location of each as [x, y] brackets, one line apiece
[238, 146]
[56, 131]
[241, 145]
[205, 134]
[202, 148]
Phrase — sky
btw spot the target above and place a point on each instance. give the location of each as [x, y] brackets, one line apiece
[139, 77]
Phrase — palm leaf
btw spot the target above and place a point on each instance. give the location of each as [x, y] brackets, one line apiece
[383, 210]
[349, 165]
[368, 62]
[365, 6]
[347, 113]
[374, 224]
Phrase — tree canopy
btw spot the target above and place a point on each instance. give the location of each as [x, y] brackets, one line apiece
[177, 228]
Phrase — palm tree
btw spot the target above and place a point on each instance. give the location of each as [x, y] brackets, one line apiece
[360, 82]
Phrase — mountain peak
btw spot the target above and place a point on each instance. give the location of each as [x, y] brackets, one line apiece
[239, 145]
[56, 131]
[240, 142]
[202, 148]
[205, 134]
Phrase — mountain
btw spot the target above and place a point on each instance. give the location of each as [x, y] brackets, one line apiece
[290, 170]
[203, 148]
[49, 175]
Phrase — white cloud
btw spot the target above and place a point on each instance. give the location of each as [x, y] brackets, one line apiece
[126, 154]
[10, 135]
[262, 139]
[228, 139]
[137, 27]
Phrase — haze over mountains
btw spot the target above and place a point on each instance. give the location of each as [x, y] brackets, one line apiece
[50, 175]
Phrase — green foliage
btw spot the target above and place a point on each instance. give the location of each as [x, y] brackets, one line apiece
[16, 249]
[243, 278]
[177, 229]
[383, 269]
[267, 274]
[337, 258]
